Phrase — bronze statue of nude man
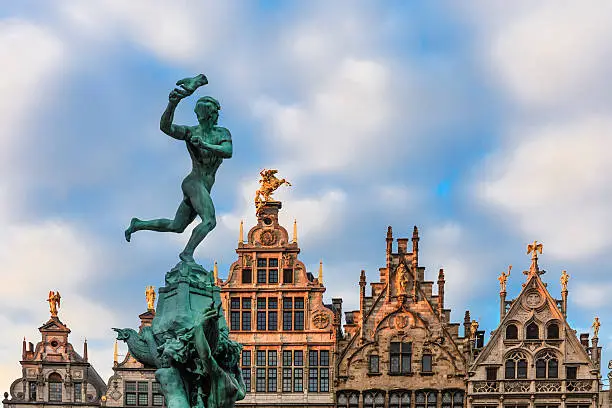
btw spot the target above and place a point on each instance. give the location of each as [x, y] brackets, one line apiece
[207, 144]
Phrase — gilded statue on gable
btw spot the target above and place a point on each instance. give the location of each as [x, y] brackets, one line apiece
[269, 183]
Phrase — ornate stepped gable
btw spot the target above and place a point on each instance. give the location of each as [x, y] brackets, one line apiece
[275, 309]
[400, 345]
[534, 356]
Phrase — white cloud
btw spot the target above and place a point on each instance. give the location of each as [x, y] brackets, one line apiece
[592, 296]
[549, 54]
[555, 185]
[31, 56]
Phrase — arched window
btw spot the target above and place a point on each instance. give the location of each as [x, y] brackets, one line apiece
[452, 399]
[516, 365]
[348, 399]
[511, 332]
[426, 399]
[533, 331]
[373, 399]
[55, 387]
[552, 332]
[399, 399]
[547, 365]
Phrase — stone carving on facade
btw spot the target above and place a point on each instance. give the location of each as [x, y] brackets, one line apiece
[579, 385]
[548, 386]
[268, 237]
[320, 320]
[486, 386]
[516, 386]
[402, 276]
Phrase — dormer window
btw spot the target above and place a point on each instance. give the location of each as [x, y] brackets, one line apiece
[511, 332]
[532, 331]
[552, 331]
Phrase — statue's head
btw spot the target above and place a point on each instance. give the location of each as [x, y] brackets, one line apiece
[207, 110]
[123, 334]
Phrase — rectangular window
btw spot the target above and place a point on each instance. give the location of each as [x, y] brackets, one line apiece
[235, 303]
[78, 392]
[373, 364]
[246, 320]
[324, 358]
[298, 358]
[234, 321]
[246, 358]
[143, 393]
[491, 373]
[313, 358]
[247, 276]
[287, 303]
[272, 361]
[287, 321]
[261, 358]
[394, 358]
[130, 398]
[287, 387]
[130, 386]
[32, 390]
[298, 303]
[261, 321]
[261, 276]
[260, 381]
[55, 391]
[324, 380]
[273, 263]
[158, 396]
[406, 358]
[571, 373]
[272, 303]
[261, 303]
[426, 363]
[272, 321]
[273, 275]
[298, 323]
[287, 358]
[272, 379]
[287, 275]
[313, 380]
[246, 377]
[298, 380]
[246, 303]
[262, 262]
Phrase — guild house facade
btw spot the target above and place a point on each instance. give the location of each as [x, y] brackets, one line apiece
[274, 307]
[53, 373]
[534, 358]
[400, 349]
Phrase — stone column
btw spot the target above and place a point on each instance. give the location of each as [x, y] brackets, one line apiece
[502, 305]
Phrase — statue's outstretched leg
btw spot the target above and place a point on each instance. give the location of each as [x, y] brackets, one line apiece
[185, 214]
[203, 205]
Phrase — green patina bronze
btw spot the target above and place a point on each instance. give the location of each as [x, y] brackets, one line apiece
[207, 144]
[188, 340]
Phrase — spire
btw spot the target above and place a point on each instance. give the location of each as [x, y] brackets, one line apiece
[295, 237]
[241, 233]
[23, 349]
[85, 356]
[215, 272]
[321, 272]
[115, 354]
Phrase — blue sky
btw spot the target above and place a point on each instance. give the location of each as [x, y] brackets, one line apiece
[488, 125]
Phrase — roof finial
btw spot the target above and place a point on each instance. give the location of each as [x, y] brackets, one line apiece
[595, 327]
[115, 354]
[503, 278]
[241, 233]
[321, 272]
[564, 279]
[215, 272]
[295, 237]
[534, 249]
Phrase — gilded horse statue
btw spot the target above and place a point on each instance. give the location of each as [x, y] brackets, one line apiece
[269, 183]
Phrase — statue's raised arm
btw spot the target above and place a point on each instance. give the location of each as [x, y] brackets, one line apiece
[186, 87]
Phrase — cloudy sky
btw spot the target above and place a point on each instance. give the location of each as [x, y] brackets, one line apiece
[486, 124]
